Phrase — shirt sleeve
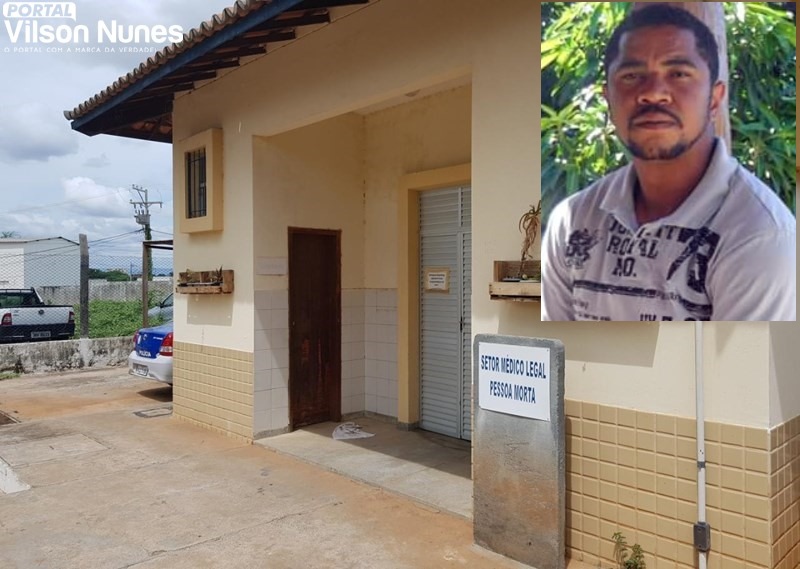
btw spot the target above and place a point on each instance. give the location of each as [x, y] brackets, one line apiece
[556, 280]
[756, 281]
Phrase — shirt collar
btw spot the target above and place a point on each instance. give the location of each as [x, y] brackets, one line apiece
[695, 211]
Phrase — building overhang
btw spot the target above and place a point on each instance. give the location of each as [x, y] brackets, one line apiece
[139, 105]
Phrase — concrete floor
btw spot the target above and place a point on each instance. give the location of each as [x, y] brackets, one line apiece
[431, 469]
[108, 479]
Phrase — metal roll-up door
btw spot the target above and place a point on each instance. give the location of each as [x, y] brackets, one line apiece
[445, 335]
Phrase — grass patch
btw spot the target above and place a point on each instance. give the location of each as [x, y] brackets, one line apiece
[115, 318]
[111, 318]
[8, 375]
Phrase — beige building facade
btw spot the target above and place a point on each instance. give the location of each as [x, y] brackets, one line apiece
[343, 130]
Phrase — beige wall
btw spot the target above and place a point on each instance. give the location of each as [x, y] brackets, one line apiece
[224, 320]
[343, 173]
[784, 365]
[505, 159]
[651, 367]
[310, 177]
[374, 56]
[737, 372]
[389, 49]
[378, 55]
[423, 134]
[635, 472]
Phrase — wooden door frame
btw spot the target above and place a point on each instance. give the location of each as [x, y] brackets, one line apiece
[335, 401]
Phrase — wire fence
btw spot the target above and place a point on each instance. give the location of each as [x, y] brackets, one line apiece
[113, 287]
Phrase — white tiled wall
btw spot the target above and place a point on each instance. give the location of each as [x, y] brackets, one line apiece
[369, 351]
[369, 355]
[271, 361]
[380, 351]
[352, 351]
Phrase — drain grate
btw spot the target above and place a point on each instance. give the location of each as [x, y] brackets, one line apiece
[6, 419]
[157, 412]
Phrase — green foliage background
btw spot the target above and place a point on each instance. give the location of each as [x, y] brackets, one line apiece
[114, 318]
[114, 275]
[578, 142]
[111, 318]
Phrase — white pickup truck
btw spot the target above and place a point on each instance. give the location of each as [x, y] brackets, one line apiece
[24, 317]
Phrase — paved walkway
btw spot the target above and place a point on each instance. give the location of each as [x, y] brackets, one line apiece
[116, 483]
[431, 469]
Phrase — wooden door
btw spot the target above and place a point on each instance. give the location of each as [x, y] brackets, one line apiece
[315, 374]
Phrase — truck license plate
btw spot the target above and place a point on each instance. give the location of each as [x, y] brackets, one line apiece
[139, 369]
[41, 334]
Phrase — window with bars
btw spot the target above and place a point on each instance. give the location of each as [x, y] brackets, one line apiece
[199, 177]
[196, 198]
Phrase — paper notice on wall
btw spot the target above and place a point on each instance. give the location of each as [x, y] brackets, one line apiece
[272, 265]
[437, 280]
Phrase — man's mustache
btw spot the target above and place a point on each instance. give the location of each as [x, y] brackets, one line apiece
[653, 110]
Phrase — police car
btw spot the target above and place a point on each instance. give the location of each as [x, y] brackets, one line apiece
[152, 353]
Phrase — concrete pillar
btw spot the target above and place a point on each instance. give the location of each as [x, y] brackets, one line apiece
[518, 449]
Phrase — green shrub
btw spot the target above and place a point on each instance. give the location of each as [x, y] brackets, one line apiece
[111, 318]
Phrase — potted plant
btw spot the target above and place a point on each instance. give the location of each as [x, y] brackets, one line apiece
[528, 225]
[520, 280]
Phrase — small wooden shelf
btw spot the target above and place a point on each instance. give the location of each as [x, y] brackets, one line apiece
[205, 282]
[521, 291]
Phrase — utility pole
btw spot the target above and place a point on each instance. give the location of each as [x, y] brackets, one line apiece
[141, 210]
[84, 288]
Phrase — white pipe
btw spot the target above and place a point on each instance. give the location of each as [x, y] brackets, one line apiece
[701, 432]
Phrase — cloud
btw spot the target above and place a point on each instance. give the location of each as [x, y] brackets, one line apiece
[32, 131]
[39, 225]
[90, 208]
[87, 198]
[97, 161]
[44, 162]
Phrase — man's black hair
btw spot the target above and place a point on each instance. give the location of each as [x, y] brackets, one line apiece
[666, 15]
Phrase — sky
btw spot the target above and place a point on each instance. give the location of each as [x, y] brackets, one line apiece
[55, 182]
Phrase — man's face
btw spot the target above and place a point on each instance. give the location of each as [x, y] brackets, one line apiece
[659, 92]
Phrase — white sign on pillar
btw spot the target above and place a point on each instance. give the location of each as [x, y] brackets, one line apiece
[514, 380]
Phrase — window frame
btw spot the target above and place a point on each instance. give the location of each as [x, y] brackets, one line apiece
[209, 141]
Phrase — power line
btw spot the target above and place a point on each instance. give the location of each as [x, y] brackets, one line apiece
[66, 202]
[45, 206]
[111, 238]
[101, 241]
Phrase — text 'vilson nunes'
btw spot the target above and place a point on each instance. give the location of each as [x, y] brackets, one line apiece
[22, 26]
[32, 32]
